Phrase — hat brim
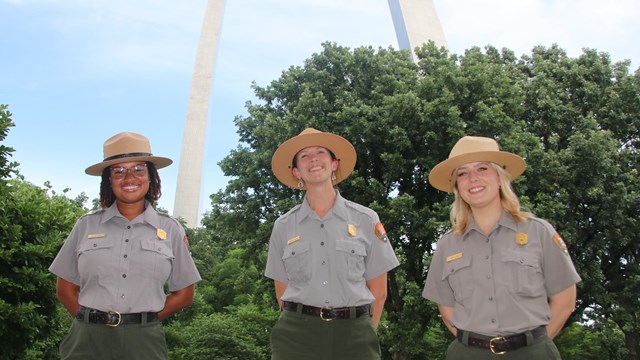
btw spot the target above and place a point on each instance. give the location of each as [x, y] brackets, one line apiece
[441, 176]
[158, 161]
[282, 160]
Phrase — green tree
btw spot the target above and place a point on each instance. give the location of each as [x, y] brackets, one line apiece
[33, 224]
[576, 122]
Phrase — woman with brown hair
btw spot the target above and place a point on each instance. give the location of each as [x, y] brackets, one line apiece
[328, 257]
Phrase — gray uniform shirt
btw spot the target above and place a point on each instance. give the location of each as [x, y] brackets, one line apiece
[326, 262]
[123, 265]
[499, 284]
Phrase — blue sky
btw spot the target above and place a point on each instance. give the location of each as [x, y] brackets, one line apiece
[75, 72]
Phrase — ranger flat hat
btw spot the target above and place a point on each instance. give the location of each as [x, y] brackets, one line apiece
[127, 147]
[471, 149]
[282, 160]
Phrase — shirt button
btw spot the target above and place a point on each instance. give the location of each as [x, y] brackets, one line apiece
[324, 262]
[125, 256]
[487, 240]
[324, 283]
[122, 296]
[322, 243]
[326, 301]
[293, 253]
[493, 320]
[124, 275]
[487, 257]
[490, 298]
[126, 240]
[321, 225]
[353, 251]
[95, 245]
[128, 226]
[488, 276]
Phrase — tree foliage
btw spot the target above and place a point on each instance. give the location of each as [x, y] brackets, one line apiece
[33, 224]
[575, 121]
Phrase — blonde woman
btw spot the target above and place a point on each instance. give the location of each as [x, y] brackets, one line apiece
[503, 279]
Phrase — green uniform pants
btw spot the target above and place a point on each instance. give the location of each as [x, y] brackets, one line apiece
[541, 348]
[297, 336]
[89, 341]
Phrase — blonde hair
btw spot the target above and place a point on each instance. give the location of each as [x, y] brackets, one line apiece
[461, 211]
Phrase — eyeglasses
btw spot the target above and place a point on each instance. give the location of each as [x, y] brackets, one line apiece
[119, 172]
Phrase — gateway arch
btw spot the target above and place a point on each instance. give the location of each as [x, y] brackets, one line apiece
[415, 23]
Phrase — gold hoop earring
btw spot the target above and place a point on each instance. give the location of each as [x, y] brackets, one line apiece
[300, 184]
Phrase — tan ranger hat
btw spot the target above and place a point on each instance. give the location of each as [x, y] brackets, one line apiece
[282, 160]
[127, 147]
[472, 149]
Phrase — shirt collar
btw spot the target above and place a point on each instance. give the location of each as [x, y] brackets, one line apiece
[150, 215]
[506, 220]
[339, 208]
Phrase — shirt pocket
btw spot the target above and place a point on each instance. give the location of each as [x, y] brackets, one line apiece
[459, 275]
[527, 279]
[157, 257]
[296, 263]
[94, 257]
[353, 254]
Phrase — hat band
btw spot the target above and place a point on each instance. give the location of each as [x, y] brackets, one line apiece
[128, 155]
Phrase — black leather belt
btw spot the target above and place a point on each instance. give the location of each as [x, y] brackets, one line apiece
[328, 314]
[501, 344]
[114, 318]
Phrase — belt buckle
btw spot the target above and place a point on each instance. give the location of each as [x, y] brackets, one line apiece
[322, 309]
[497, 338]
[111, 314]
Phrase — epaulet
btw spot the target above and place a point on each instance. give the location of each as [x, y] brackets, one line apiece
[362, 209]
[94, 212]
[291, 211]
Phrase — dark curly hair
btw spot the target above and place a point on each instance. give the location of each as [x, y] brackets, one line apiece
[107, 198]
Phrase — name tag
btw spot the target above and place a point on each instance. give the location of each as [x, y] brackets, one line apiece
[95, 236]
[292, 240]
[454, 257]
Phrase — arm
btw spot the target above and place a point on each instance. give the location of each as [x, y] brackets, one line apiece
[561, 305]
[177, 301]
[447, 314]
[378, 287]
[68, 293]
[280, 288]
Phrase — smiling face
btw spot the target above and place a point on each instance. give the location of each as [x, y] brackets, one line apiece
[478, 183]
[314, 165]
[129, 181]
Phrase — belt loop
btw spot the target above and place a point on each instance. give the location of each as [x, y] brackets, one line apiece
[144, 318]
[529, 336]
[465, 337]
[85, 312]
[299, 308]
[352, 312]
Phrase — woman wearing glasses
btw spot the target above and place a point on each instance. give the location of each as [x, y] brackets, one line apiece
[114, 265]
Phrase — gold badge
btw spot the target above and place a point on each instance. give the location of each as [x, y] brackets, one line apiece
[162, 235]
[352, 230]
[454, 257]
[292, 240]
[95, 236]
[521, 239]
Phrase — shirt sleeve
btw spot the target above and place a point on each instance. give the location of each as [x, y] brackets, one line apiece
[436, 288]
[65, 264]
[559, 271]
[184, 271]
[381, 257]
[275, 266]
